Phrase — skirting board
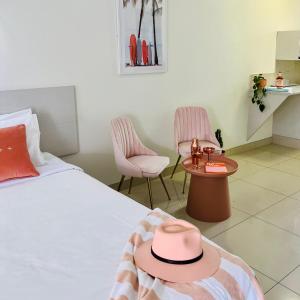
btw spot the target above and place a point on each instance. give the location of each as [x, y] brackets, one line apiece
[168, 171]
[286, 141]
[249, 146]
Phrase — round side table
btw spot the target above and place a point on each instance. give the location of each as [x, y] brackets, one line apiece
[208, 198]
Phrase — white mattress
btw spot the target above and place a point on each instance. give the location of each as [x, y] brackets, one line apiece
[61, 236]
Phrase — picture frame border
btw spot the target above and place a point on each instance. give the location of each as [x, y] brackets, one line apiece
[122, 70]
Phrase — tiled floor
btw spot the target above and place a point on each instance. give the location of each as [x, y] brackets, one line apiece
[264, 228]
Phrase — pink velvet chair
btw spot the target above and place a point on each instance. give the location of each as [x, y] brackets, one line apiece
[133, 159]
[192, 122]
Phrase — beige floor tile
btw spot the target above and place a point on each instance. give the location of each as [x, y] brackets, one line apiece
[159, 198]
[296, 156]
[265, 158]
[281, 293]
[251, 198]
[265, 282]
[179, 176]
[246, 168]
[293, 281]
[278, 149]
[239, 157]
[172, 206]
[212, 229]
[276, 181]
[296, 196]
[232, 179]
[291, 166]
[285, 214]
[268, 249]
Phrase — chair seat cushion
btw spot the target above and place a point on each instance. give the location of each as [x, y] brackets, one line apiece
[150, 165]
[185, 147]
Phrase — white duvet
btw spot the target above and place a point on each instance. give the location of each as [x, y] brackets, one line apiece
[61, 235]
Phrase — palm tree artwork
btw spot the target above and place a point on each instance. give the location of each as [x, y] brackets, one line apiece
[155, 10]
[143, 44]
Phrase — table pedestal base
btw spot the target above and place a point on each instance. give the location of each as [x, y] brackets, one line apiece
[208, 199]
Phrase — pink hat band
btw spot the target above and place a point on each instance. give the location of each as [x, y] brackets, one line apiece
[177, 242]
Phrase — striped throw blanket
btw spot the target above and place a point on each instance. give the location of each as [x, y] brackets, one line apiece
[234, 279]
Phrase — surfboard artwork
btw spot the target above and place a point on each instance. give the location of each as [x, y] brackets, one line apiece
[145, 53]
[132, 50]
[142, 36]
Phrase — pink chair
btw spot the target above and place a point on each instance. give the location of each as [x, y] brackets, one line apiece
[192, 122]
[133, 159]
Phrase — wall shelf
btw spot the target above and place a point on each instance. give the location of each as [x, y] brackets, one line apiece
[272, 101]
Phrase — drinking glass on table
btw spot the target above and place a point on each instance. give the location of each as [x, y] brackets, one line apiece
[199, 156]
[208, 151]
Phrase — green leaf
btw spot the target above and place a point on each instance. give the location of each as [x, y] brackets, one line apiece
[262, 107]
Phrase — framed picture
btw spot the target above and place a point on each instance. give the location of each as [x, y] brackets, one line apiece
[142, 36]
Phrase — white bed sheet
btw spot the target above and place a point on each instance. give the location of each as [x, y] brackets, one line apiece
[61, 237]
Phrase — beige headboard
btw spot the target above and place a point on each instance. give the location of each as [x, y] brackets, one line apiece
[57, 115]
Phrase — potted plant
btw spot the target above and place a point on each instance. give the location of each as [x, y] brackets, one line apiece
[259, 91]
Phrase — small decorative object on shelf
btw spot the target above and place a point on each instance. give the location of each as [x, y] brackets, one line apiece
[209, 151]
[259, 91]
[279, 81]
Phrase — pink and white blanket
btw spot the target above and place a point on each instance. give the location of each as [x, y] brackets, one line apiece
[234, 279]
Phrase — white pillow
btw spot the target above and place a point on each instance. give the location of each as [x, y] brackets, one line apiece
[33, 144]
[32, 135]
[20, 113]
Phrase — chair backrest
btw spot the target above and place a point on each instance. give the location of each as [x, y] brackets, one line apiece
[126, 144]
[192, 122]
[125, 137]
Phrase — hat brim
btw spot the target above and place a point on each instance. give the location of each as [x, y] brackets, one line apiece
[204, 268]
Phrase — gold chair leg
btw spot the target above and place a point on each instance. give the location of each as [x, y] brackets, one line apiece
[150, 191]
[178, 160]
[130, 185]
[121, 183]
[184, 182]
[163, 183]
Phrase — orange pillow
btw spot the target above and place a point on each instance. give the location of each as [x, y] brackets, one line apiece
[14, 157]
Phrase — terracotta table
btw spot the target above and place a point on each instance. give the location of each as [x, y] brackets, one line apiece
[208, 198]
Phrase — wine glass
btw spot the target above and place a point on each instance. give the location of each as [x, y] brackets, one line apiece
[208, 151]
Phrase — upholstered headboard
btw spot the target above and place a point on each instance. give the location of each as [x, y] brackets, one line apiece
[57, 115]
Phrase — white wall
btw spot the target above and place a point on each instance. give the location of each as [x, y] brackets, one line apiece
[214, 46]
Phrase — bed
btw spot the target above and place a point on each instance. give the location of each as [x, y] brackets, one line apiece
[62, 233]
